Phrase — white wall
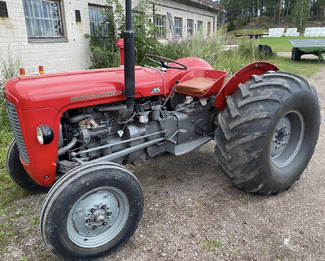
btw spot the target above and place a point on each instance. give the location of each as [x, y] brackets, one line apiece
[73, 53]
[186, 12]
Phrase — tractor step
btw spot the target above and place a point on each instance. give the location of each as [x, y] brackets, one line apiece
[184, 148]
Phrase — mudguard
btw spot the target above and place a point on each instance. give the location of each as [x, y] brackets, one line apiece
[241, 76]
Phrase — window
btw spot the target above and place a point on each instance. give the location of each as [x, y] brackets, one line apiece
[199, 25]
[160, 21]
[189, 27]
[98, 19]
[43, 18]
[178, 26]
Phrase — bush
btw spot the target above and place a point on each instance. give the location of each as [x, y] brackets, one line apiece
[104, 51]
[231, 24]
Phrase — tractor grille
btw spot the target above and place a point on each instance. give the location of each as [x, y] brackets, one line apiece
[12, 113]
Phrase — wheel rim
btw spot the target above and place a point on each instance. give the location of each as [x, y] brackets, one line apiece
[287, 138]
[97, 217]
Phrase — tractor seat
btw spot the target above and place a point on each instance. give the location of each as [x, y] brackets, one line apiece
[201, 83]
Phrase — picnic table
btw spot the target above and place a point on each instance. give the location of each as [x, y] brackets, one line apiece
[307, 46]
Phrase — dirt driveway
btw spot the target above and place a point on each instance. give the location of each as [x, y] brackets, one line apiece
[193, 213]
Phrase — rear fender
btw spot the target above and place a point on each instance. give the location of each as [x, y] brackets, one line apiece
[241, 76]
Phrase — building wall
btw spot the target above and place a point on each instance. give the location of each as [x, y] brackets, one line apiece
[186, 12]
[72, 52]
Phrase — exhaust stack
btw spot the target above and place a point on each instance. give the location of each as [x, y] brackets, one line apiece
[129, 58]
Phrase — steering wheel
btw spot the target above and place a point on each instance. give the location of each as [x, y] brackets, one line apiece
[162, 62]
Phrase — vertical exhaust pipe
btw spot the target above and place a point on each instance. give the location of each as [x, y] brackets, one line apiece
[129, 59]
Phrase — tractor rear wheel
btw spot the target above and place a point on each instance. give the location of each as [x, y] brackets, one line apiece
[268, 132]
[17, 172]
[91, 211]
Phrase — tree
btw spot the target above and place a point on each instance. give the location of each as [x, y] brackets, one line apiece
[231, 24]
[300, 13]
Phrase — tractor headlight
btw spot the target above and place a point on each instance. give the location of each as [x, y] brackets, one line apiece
[44, 134]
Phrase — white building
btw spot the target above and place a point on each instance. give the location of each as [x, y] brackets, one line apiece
[51, 33]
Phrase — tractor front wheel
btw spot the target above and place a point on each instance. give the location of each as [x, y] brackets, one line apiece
[268, 132]
[91, 211]
[17, 172]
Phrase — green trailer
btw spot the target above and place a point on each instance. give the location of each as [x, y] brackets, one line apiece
[308, 46]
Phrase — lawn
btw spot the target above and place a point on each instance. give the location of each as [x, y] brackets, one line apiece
[281, 44]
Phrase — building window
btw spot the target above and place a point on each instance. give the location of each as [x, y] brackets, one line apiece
[160, 22]
[98, 19]
[189, 27]
[43, 18]
[178, 26]
[199, 25]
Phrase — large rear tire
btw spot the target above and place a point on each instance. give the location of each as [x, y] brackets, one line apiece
[91, 211]
[268, 132]
[17, 172]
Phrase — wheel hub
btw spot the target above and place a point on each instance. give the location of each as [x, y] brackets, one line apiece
[287, 138]
[97, 217]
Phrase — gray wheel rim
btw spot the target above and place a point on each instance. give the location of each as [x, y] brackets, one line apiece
[97, 217]
[287, 138]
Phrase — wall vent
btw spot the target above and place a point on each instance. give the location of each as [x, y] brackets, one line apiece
[78, 16]
[3, 9]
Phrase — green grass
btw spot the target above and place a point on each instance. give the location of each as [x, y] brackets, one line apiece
[304, 67]
[210, 245]
[280, 44]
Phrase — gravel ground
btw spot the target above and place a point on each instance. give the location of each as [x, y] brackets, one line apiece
[192, 212]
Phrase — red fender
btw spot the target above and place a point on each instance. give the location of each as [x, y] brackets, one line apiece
[241, 76]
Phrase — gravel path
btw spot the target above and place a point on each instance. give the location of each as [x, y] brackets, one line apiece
[192, 212]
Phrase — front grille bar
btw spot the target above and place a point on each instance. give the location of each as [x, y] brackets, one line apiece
[14, 121]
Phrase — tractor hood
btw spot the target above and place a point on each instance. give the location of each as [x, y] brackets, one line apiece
[71, 90]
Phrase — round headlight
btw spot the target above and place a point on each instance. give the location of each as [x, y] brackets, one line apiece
[44, 134]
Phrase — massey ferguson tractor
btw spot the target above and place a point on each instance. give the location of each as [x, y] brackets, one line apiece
[74, 131]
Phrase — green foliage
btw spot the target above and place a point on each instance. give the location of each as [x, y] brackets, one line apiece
[145, 32]
[103, 48]
[217, 50]
[281, 12]
[9, 66]
[300, 14]
[104, 51]
[231, 24]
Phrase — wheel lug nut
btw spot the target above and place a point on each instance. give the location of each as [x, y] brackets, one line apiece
[109, 213]
[88, 220]
[94, 227]
[104, 223]
[284, 143]
[277, 147]
[103, 207]
[287, 133]
[92, 210]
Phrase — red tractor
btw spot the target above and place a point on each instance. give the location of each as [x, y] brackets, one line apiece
[73, 131]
